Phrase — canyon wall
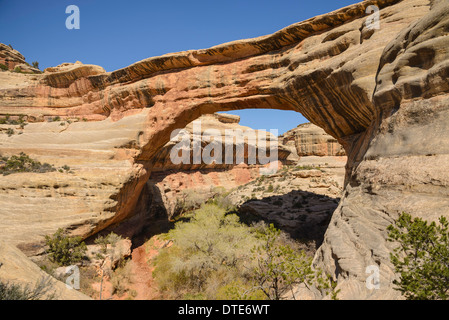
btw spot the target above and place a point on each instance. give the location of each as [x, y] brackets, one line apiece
[381, 93]
[310, 140]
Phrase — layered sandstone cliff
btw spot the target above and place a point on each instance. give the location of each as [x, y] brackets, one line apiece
[310, 140]
[382, 93]
[11, 59]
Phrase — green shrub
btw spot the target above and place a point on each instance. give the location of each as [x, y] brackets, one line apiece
[3, 67]
[121, 279]
[239, 290]
[104, 241]
[281, 265]
[7, 120]
[206, 253]
[10, 132]
[65, 250]
[23, 163]
[188, 200]
[421, 258]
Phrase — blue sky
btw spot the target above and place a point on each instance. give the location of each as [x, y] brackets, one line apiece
[115, 34]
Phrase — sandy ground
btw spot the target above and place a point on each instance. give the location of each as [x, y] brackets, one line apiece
[141, 285]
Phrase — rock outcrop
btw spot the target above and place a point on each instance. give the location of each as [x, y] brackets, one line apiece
[382, 93]
[310, 140]
[13, 60]
[16, 268]
[10, 57]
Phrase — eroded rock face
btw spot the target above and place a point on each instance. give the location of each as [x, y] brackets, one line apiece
[310, 140]
[10, 57]
[383, 95]
[16, 268]
[13, 59]
[401, 164]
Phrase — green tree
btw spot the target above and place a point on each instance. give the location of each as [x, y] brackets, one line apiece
[65, 250]
[421, 258]
[281, 265]
[35, 64]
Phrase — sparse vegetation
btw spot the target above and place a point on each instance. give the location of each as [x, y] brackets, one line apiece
[42, 290]
[121, 278]
[23, 163]
[306, 167]
[111, 239]
[7, 120]
[10, 132]
[3, 67]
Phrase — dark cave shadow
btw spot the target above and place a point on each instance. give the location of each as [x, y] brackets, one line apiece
[150, 218]
[304, 215]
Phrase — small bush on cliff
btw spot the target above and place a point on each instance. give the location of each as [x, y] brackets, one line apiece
[10, 132]
[422, 257]
[65, 250]
[23, 163]
[7, 120]
[3, 67]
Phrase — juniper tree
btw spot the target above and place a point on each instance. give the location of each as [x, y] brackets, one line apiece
[421, 258]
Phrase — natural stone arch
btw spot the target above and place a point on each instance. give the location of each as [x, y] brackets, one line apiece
[370, 90]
